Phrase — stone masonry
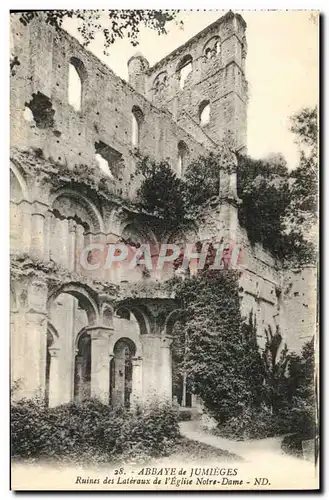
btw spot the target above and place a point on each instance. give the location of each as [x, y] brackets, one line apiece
[108, 334]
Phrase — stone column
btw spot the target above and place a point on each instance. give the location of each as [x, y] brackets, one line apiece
[137, 381]
[26, 226]
[80, 245]
[166, 368]
[35, 354]
[54, 378]
[35, 334]
[72, 225]
[38, 235]
[100, 360]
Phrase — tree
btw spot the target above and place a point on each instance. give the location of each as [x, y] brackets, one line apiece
[202, 180]
[275, 370]
[302, 394]
[264, 190]
[113, 24]
[221, 364]
[161, 193]
[304, 188]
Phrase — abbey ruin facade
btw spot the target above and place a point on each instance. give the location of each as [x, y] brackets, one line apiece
[77, 132]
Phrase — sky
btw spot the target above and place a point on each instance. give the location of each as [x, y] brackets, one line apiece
[281, 68]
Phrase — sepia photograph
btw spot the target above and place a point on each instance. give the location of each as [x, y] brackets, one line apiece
[164, 250]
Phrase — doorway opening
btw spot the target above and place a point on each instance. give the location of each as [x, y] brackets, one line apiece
[121, 372]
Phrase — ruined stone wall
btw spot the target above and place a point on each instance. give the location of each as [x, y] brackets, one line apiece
[278, 297]
[217, 76]
[299, 302]
[69, 136]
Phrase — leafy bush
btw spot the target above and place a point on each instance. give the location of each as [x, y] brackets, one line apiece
[221, 361]
[253, 423]
[91, 431]
[184, 415]
[293, 445]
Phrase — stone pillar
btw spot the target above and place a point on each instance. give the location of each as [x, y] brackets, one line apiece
[54, 378]
[72, 226]
[77, 377]
[26, 227]
[166, 368]
[137, 381]
[38, 230]
[35, 354]
[35, 333]
[100, 361]
[80, 245]
[16, 346]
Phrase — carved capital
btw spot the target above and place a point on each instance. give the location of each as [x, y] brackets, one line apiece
[137, 361]
[72, 225]
[100, 333]
[166, 342]
[53, 351]
[39, 208]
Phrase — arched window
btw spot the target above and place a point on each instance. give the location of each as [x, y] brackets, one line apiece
[77, 76]
[212, 48]
[208, 53]
[137, 119]
[204, 113]
[184, 68]
[181, 158]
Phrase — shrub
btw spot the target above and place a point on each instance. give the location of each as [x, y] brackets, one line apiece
[91, 431]
[184, 415]
[253, 423]
[293, 445]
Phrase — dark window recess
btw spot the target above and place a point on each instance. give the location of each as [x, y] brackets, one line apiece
[123, 313]
[42, 109]
[112, 156]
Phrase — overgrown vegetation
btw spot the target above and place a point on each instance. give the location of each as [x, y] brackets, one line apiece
[277, 206]
[91, 432]
[250, 392]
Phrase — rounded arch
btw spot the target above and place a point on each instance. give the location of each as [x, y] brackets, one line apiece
[171, 319]
[86, 296]
[183, 69]
[182, 154]
[18, 187]
[122, 342]
[77, 78]
[81, 333]
[137, 119]
[204, 112]
[52, 335]
[142, 316]
[187, 59]
[212, 47]
[160, 81]
[136, 110]
[80, 67]
[69, 202]
[136, 233]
